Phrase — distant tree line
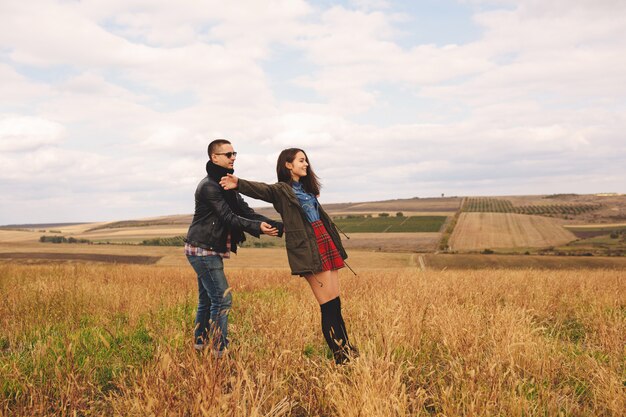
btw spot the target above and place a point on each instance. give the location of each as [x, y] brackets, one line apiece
[61, 239]
[165, 241]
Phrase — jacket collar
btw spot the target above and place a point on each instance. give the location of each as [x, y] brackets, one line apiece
[291, 195]
[216, 172]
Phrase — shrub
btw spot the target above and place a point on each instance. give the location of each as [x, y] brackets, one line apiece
[262, 244]
[487, 252]
[61, 239]
[52, 239]
[383, 214]
[399, 214]
[74, 240]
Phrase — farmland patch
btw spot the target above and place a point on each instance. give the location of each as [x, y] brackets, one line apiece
[478, 231]
[501, 205]
[393, 242]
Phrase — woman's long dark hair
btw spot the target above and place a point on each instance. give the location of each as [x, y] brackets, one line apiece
[310, 182]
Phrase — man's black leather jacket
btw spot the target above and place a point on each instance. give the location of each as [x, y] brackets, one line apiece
[213, 219]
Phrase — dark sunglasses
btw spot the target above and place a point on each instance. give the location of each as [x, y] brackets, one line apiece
[228, 154]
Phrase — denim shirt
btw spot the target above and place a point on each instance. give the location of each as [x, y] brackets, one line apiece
[308, 202]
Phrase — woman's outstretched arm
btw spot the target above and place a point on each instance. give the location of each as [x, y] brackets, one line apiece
[258, 190]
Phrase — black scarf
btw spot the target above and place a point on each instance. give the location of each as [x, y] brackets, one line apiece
[216, 173]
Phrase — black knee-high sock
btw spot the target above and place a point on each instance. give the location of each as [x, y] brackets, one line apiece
[341, 324]
[334, 328]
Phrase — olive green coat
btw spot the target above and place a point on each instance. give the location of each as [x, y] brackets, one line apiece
[304, 257]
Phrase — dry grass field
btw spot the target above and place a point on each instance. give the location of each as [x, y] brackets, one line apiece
[87, 339]
[477, 231]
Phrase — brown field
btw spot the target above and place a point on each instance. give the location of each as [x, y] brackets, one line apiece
[88, 339]
[391, 242]
[11, 236]
[476, 231]
[47, 257]
[262, 258]
[539, 262]
[104, 234]
[276, 257]
[51, 251]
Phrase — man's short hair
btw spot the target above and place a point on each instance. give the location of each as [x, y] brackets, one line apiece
[216, 144]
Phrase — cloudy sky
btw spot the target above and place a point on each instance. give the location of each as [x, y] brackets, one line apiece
[107, 106]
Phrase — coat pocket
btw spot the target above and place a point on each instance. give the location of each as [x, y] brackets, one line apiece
[298, 250]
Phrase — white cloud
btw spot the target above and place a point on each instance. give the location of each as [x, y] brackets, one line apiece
[23, 133]
[371, 4]
[17, 89]
[356, 50]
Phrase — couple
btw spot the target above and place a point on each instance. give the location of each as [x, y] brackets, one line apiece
[221, 216]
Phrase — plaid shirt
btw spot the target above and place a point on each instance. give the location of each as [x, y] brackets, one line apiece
[191, 250]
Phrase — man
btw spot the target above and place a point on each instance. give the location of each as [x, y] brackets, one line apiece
[219, 220]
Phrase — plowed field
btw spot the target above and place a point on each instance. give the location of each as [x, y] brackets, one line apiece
[476, 231]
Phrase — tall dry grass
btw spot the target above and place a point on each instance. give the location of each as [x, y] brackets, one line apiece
[116, 340]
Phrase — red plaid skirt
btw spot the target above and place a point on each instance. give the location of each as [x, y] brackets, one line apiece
[331, 259]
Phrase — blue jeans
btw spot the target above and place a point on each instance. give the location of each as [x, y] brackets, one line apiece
[213, 306]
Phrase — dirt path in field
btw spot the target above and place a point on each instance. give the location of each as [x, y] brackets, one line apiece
[42, 257]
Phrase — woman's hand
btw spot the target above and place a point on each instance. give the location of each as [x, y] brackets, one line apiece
[268, 229]
[229, 182]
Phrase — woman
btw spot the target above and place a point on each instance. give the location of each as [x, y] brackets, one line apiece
[314, 248]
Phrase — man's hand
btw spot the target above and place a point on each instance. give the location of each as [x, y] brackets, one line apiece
[268, 229]
[229, 182]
